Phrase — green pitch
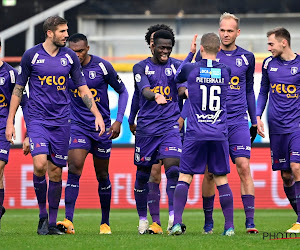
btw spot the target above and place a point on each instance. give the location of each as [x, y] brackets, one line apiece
[18, 231]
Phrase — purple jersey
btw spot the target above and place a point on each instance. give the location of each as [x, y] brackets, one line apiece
[8, 77]
[154, 119]
[208, 84]
[240, 97]
[282, 80]
[99, 74]
[48, 90]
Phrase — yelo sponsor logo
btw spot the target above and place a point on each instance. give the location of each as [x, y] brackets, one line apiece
[234, 83]
[76, 93]
[165, 91]
[289, 90]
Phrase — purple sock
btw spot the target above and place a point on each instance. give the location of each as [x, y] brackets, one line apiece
[104, 191]
[248, 202]
[297, 194]
[40, 188]
[172, 179]
[141, 191]
[1, 200]
[290, 194]
[226, 201]
[180, 198]
[54, 194]
[153, 201]
[71, 194]
[208, 208]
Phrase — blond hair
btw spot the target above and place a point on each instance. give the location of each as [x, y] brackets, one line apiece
[227, 15]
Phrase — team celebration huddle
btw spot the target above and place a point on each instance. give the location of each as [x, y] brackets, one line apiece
[67, 117]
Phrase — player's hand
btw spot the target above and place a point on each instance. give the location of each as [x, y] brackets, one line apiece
[186, 92]
[26, 148]
[253, 132]
[160, 99]
[260, 127]
[114, 130]
[99, 124]
[181, 123]
[194, 44]
[132, 128]
[10, 132]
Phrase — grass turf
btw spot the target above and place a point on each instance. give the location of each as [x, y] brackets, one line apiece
[18, 231]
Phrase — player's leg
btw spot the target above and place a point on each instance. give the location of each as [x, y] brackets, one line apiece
[226, 201]
[154, 197]
[104, 191]
[279, 145]
[54, 195]
[59, 138]
[294, 149]
[208, 195]
[2, 209]
[170, 152]
[193, 161]
[240, 148]
[180, 199]
[76, 158]
[40, 165]
[218, 164]
[144, 157]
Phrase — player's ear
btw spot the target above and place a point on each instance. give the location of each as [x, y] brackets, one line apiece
[284, 43]
[238, 32]
[201, 49]
[49, 33]
[219, 49]
[87, 48]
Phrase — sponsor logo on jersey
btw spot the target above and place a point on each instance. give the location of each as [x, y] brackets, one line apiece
[61, 157]
[101, 150]
[168, 71]
[3, 151]
[40, 61]
[295, 153]
[137, 77]
[234, 83]
[294, 70]
[92, 74]
[137, 157]
[239, 62]
[209, 118]
[53, 80]
[2, 80]
[64, 61]
[210, 73]
[81, 141]
[273, 69]
[289, 90]
[165, 91]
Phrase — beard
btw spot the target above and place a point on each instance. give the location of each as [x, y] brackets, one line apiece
[57, 43]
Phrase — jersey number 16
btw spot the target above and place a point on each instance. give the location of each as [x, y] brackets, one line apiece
[214, 102]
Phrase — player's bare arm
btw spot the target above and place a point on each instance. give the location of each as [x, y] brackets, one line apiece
[183, 92]
[16, 98]
[88, 100]
[149, 95]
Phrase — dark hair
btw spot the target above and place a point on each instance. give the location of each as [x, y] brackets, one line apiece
[163, 34]
[52, 22]
[78, 37]
[280, 32]
[210, 43]
[155, 28]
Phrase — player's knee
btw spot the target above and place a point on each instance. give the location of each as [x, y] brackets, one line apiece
[209, 176]
[155, 178]
[40, 168]
[172, 173]
[287, 177]
[142, 177]
[75, 168]
[243, 169]
[102, 177]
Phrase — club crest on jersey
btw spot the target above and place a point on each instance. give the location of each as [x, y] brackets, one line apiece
[137, 77]
[63, 61]
[239, 62]
[294, 70]
[168, 71]
[2, 80]
[92, 74]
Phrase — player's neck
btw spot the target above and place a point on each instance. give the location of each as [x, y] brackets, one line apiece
[288, 55]
[229, 47]
[86, 61]
[50, 48]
